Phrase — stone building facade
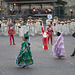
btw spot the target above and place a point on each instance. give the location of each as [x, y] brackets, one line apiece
[3, 8]
[70, 5]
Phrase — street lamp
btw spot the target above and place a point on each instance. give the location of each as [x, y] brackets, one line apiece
[0, 9]
[71, 12]
[14, 4]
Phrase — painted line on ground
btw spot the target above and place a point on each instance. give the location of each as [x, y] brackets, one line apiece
[2, 71]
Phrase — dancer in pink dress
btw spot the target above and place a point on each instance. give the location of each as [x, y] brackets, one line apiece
[58, 47]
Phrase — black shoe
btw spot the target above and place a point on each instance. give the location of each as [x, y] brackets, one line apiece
[72, 55]
[59, 57]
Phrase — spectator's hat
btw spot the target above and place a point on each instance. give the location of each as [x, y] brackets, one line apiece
[32, 20]
[72, 19]
[28, 21]
[29, 17]
[3, 18]
[4, 21]
[35, 21]
[20, 20]
[40, 18]
[49, 25]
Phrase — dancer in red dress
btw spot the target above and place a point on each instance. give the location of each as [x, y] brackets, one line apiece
[11, 31]
[50, 30]
[45, 38]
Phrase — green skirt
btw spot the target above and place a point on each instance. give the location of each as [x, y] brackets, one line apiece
[24, 58]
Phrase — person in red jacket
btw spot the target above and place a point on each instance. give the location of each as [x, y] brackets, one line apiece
[45, 34]
[50, 30]
[11, 31]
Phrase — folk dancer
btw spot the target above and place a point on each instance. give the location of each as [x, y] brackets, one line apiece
[2, 26]
[29, 21]
[55, 28]
[17, 26]
[32, 28]
[9, 21]
[6, 29]
[50, 30]
[72, 28]
[11, 33]
[55, 25]
[35, 26]
[63, 27]
[58, 48]
[20, 28]
[45, 34]
[68, 27]
[24, 58]
[21, 19]
[47, 22]
[39, 25]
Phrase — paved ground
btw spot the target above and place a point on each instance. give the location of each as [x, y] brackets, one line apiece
[44, 61]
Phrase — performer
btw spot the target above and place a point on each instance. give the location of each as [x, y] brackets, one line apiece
[6, 29]
[39, 24]
[47, 22]
[35, 26]
[68, 26]
[58, 47]
[55, 28]
[9, 21]
[24, 58]
[21, 20]
[32, 28]
[17, 25]
[45, 38]
[20, 28]
[11, 32]
[29, 21]
[72, 25]
[29, 18]
[50, 30]
[63, 27]
[56, 25]
[2, 26]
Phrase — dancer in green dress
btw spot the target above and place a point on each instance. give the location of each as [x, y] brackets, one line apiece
[24, 58]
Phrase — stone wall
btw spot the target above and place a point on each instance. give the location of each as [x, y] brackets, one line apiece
[70, 5]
